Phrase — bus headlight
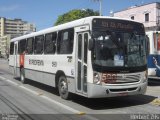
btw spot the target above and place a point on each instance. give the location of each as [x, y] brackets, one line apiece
[145, 76]
[96, 78]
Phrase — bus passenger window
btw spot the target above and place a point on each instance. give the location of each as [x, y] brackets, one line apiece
[11, 48]
[65, 41]
[38, 45]
[29, 46]
[21, 46]
[50, 43]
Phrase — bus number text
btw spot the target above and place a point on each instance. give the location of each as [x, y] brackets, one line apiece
[109, 77]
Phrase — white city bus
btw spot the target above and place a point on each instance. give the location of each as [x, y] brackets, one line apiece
[154, 53]
[93, 57]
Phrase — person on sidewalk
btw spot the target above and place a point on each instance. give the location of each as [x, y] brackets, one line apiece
[157, 67]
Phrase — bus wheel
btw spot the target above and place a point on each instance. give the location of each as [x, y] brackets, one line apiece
[63, 88]
[22, 76]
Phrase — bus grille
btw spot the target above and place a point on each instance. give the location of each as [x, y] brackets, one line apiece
[123, 78]
[123, 90]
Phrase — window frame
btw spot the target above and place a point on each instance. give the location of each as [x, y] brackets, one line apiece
[20, 46]
[146, 17]
[61, 42]
[35, 45]
[31, 38]
[53, 41]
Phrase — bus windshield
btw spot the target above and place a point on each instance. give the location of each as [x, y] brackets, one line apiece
[119, 49]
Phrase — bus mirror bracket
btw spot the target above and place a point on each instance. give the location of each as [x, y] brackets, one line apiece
[91, 44]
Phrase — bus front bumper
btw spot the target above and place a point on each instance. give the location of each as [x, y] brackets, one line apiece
[99, 91]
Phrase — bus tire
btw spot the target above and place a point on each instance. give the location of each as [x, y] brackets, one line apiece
[22, 76]
[63, 88]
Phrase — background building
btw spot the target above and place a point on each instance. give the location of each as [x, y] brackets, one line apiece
[15, 27]
[4, 45]
[10, 29]
[148, 14]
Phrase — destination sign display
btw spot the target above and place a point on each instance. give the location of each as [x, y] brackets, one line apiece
[119, 25]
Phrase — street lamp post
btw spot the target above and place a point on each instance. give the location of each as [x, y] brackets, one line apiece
[100, 6]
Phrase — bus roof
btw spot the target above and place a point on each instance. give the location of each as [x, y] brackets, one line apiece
[71, 24]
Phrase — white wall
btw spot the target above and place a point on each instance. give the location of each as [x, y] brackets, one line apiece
[139, 14]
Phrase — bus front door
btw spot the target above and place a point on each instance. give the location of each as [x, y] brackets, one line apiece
[82, 51]
[15, 59]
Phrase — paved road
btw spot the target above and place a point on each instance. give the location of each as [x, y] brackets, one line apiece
[37, 101]
[28, 106]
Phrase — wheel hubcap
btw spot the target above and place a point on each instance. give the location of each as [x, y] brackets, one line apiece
[63, 87]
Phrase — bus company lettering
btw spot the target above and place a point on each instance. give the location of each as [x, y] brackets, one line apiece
[36, 62]
[109, 77]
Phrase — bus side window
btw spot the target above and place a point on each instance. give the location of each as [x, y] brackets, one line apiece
[29, 46]
[50, 43]
[65, 41]
[38, 45]
[11, 48]
[21, 46]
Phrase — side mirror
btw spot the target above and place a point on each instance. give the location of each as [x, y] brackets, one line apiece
[91, 44]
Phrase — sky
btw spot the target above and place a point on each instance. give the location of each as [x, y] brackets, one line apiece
[44, 13]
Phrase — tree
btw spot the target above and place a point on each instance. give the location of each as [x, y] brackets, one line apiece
[74, 15]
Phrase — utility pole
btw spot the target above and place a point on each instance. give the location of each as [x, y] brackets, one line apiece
[100, 6]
